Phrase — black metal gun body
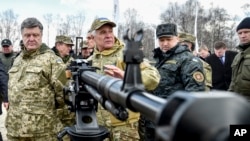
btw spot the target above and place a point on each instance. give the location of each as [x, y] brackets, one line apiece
[200, 116]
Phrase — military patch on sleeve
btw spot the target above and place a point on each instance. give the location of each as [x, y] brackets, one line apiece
[198, 76]
[195, 60]
[59, 61]
[170, 62]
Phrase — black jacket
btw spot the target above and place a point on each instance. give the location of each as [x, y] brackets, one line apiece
[221, 74]
[3, 85]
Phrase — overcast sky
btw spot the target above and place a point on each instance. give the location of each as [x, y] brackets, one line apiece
[149, 10]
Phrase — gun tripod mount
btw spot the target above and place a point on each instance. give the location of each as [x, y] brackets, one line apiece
[84, 105]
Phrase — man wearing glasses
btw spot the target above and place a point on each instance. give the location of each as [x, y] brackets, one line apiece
[7, 54]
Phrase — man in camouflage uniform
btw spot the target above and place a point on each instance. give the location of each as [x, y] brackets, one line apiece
[179, 70]
[108, 56]
[62, 48]
[241, 65]
[189, 40]
[36, 82]
[86, 51]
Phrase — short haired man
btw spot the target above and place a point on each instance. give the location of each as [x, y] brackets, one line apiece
[171, 57]
[204, 52]
[109, 53]
[180, 70]
[7, 54]
[220, 62]
[90, 41]
[35, 88]
[241, 65]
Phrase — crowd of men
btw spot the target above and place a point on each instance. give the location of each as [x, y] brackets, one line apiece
[32, 81]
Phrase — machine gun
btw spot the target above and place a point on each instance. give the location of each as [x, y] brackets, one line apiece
[196, 116]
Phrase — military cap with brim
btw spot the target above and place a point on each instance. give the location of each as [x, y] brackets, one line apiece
[99, 22]
[84, 44]
[6, 42]
[186, 37]
[64, 39]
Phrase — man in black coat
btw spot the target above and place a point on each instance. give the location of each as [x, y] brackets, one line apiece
[3, 88]
[220, 63]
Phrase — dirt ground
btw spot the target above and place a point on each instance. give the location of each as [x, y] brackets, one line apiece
[2, 128]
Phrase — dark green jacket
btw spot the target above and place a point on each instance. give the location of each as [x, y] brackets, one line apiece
[7, 60]
[241, 72]
[179, 70]
[3, 84]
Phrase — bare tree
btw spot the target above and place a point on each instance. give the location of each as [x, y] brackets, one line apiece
[78, 23]
[72, 25]
[213, 24]
[246, 9]
[9, 27]
[48, 19]
[133, 23]
[171, 14]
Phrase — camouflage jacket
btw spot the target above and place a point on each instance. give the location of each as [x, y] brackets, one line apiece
[240, 72]
[36, 82]
[67, 59]
[180, 70]
[114, 56]
[208, 75]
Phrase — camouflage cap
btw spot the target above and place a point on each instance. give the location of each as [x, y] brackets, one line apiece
[84, 44]
[99, 22]
[64, 39]
[187, 37]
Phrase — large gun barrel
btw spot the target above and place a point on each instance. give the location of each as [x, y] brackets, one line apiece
[135, 100]
[196, 116]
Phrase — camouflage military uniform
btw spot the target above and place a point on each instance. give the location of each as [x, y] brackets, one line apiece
[36, 82]
[240, 72]
[185, 37]
[180, 70]
[122, 131]
[66, 116]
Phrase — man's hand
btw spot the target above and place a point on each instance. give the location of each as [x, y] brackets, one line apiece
[114, 71]
[6, 105]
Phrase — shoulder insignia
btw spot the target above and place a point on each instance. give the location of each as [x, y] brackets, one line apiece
[198, 76]
[195, 60]
[59, 61]
[247, 56]
[171, 62]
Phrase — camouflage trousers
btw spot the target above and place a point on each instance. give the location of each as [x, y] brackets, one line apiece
[52, 137]
[128, 131]
[67, 118]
